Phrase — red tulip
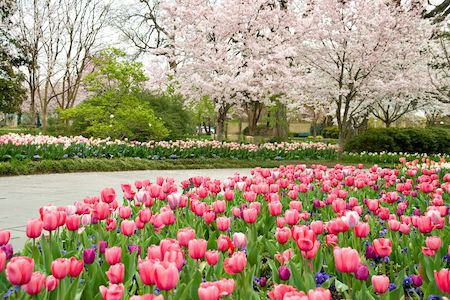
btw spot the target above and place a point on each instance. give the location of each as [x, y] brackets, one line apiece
[433, 242]
[346, 259]
[382, 247]
[34, 228]
[51, 283]
[197, 248]
[113, 255]
[116, 273]
[60, 267]
[282, 235]
[428, 251]
[443, 280]
[236, 263]
[362, 230]
[223, 223]
[76, 267]
[73, 222]
[19, 270]
[166, 276]
[208, 293]
[36, 284]
[380, 283]
[128, 227]
[212, 257]
[113, 292]
[5, 235]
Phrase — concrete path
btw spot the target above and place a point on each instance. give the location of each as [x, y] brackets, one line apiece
[22, 196]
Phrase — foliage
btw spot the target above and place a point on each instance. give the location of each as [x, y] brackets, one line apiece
[12, 93]
[176, 118]
[331, 132]
[113, 109]
[408, 140]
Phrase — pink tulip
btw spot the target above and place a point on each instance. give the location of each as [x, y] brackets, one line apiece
[442, 279]
[50, 221]
[113, 255]
[240, 240]
[236, 263]
[166, 276]
[108, 195]
[51, 283]
[73, 222]
[212, 257]
[275, 208]
[347, 260]
[60, 268]
[128, 227]
[291, 216]
[433, 242]
[146, 269]
[34, 228]
[223, 223]
[209, 293]
[2, 260]
[113, 292]
[36, 284]
[184, 235]
[116, 273]
[124, 212]
[319, 294]
[282, 235]
[19, 270]
[249, 215]
[5, 235]
[362, 230]
[382, 247]
[75, 267]
[380, 284]
[197, 248]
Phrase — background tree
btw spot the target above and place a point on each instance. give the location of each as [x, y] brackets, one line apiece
[114, 108]
[12, 93]
[347, 44]
[59, 37]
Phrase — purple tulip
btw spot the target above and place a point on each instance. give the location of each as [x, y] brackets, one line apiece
[89, 256]
[370, 252]
[136, 248]
[417, 280]
[284, 273]
[8, 250]
[417, 212]
[362, 273]
[103, 246]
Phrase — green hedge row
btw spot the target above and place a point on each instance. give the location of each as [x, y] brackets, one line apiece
[411, 140]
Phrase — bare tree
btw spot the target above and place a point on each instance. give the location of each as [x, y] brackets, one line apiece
[59, 37]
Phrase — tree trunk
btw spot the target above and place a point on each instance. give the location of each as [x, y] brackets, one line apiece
[240, 131]
[253, 113]
[220, 126]
[44, 117]
[281, 126]
[388, 123]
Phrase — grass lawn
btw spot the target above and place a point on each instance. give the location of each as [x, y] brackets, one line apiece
[28, 167]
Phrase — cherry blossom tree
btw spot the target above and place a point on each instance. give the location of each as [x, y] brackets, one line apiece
[235, 52]
[348, 46]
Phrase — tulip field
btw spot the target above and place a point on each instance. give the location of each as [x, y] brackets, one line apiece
[285, 233]
[40, 147]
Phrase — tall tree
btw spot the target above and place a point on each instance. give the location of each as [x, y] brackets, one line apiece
[59, 37]
[11, 91]
[347, 45]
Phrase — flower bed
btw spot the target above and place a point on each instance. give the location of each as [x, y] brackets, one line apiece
[17, 146]
[287, 233]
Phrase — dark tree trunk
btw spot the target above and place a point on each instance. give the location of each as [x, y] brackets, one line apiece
[281, 126]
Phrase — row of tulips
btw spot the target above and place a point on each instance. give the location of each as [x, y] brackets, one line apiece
[287, 233]
[19, 146]
[37, 147]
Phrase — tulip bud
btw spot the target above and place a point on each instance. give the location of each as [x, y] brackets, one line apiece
[284, 273]
[362, 273]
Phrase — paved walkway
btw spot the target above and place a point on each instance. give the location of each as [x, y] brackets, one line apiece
[22, 196]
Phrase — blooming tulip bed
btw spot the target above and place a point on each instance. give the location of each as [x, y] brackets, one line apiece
[37, 147]
[40, 147]
[286, 233]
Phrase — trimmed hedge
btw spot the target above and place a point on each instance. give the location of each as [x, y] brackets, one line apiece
[411, 140]
[331, 132]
